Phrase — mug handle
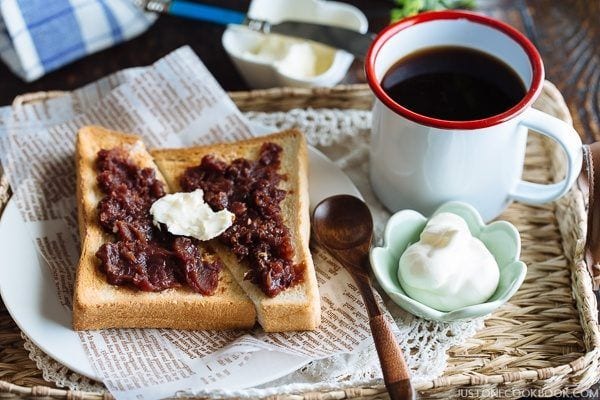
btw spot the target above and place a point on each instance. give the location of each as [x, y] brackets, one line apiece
[568, 139]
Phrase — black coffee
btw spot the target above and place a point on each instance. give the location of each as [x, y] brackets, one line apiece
[453, 83]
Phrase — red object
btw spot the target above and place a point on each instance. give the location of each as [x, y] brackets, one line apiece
[534, 58]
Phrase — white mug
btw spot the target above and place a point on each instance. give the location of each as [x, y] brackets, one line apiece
[419, 162]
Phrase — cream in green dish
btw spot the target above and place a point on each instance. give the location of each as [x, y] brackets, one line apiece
[448, 268]
[405, 227]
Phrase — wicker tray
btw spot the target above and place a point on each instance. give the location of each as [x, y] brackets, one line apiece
[546, 340]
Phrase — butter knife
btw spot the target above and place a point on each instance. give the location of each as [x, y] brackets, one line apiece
[353, 42]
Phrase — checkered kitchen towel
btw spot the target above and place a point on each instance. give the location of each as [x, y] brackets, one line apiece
[38, 36]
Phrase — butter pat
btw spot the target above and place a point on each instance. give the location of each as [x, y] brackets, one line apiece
[295, 58]
[448, 268]
[187, 214]
[300, 61]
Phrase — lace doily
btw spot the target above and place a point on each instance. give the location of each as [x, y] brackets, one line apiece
[344, 137]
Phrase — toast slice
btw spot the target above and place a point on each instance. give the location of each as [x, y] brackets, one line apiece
[97, 304]
[298, 307]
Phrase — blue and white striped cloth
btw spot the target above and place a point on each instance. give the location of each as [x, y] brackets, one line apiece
[38, 36]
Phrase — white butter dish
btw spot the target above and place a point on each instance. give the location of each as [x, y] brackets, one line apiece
[259, 72]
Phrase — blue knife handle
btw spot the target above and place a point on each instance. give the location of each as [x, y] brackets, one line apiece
[203, 12]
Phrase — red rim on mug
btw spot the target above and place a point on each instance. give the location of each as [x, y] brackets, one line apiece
[534, 58]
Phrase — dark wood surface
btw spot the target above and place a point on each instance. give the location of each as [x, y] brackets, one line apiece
[567, 33]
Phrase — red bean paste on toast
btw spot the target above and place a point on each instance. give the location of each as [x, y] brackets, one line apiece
[149, 258]
[249, 189]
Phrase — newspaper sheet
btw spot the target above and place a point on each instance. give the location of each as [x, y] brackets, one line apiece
[175, 102]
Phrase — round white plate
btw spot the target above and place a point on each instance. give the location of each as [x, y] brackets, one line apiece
[29, 293]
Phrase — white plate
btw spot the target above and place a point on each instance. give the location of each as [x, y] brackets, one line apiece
[30, 297]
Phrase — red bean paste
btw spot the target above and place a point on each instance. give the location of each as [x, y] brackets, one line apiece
[149, 258]
[249, 189]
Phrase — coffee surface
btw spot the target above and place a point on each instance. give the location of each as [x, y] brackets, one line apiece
[453, 83]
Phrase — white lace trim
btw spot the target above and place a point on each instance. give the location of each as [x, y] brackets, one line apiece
[322, 127]
[343, 135]
[62, 376]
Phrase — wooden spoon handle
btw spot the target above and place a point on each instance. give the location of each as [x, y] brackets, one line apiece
[395, 370]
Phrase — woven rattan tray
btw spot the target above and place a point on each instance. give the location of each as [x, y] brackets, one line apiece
[544, 342]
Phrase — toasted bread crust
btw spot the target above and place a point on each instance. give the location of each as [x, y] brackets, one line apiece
[296, 308]
[98, 305]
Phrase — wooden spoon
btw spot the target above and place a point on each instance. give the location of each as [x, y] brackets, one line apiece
[344, 226]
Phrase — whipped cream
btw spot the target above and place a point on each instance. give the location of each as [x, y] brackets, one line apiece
[187, 214]
[448, 268]
[295, 58]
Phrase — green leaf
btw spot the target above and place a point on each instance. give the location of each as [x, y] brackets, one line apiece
[407, 8]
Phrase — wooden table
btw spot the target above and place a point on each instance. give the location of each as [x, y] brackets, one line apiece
[567, 33]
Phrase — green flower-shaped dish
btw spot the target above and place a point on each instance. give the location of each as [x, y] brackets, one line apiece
[404, 228]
